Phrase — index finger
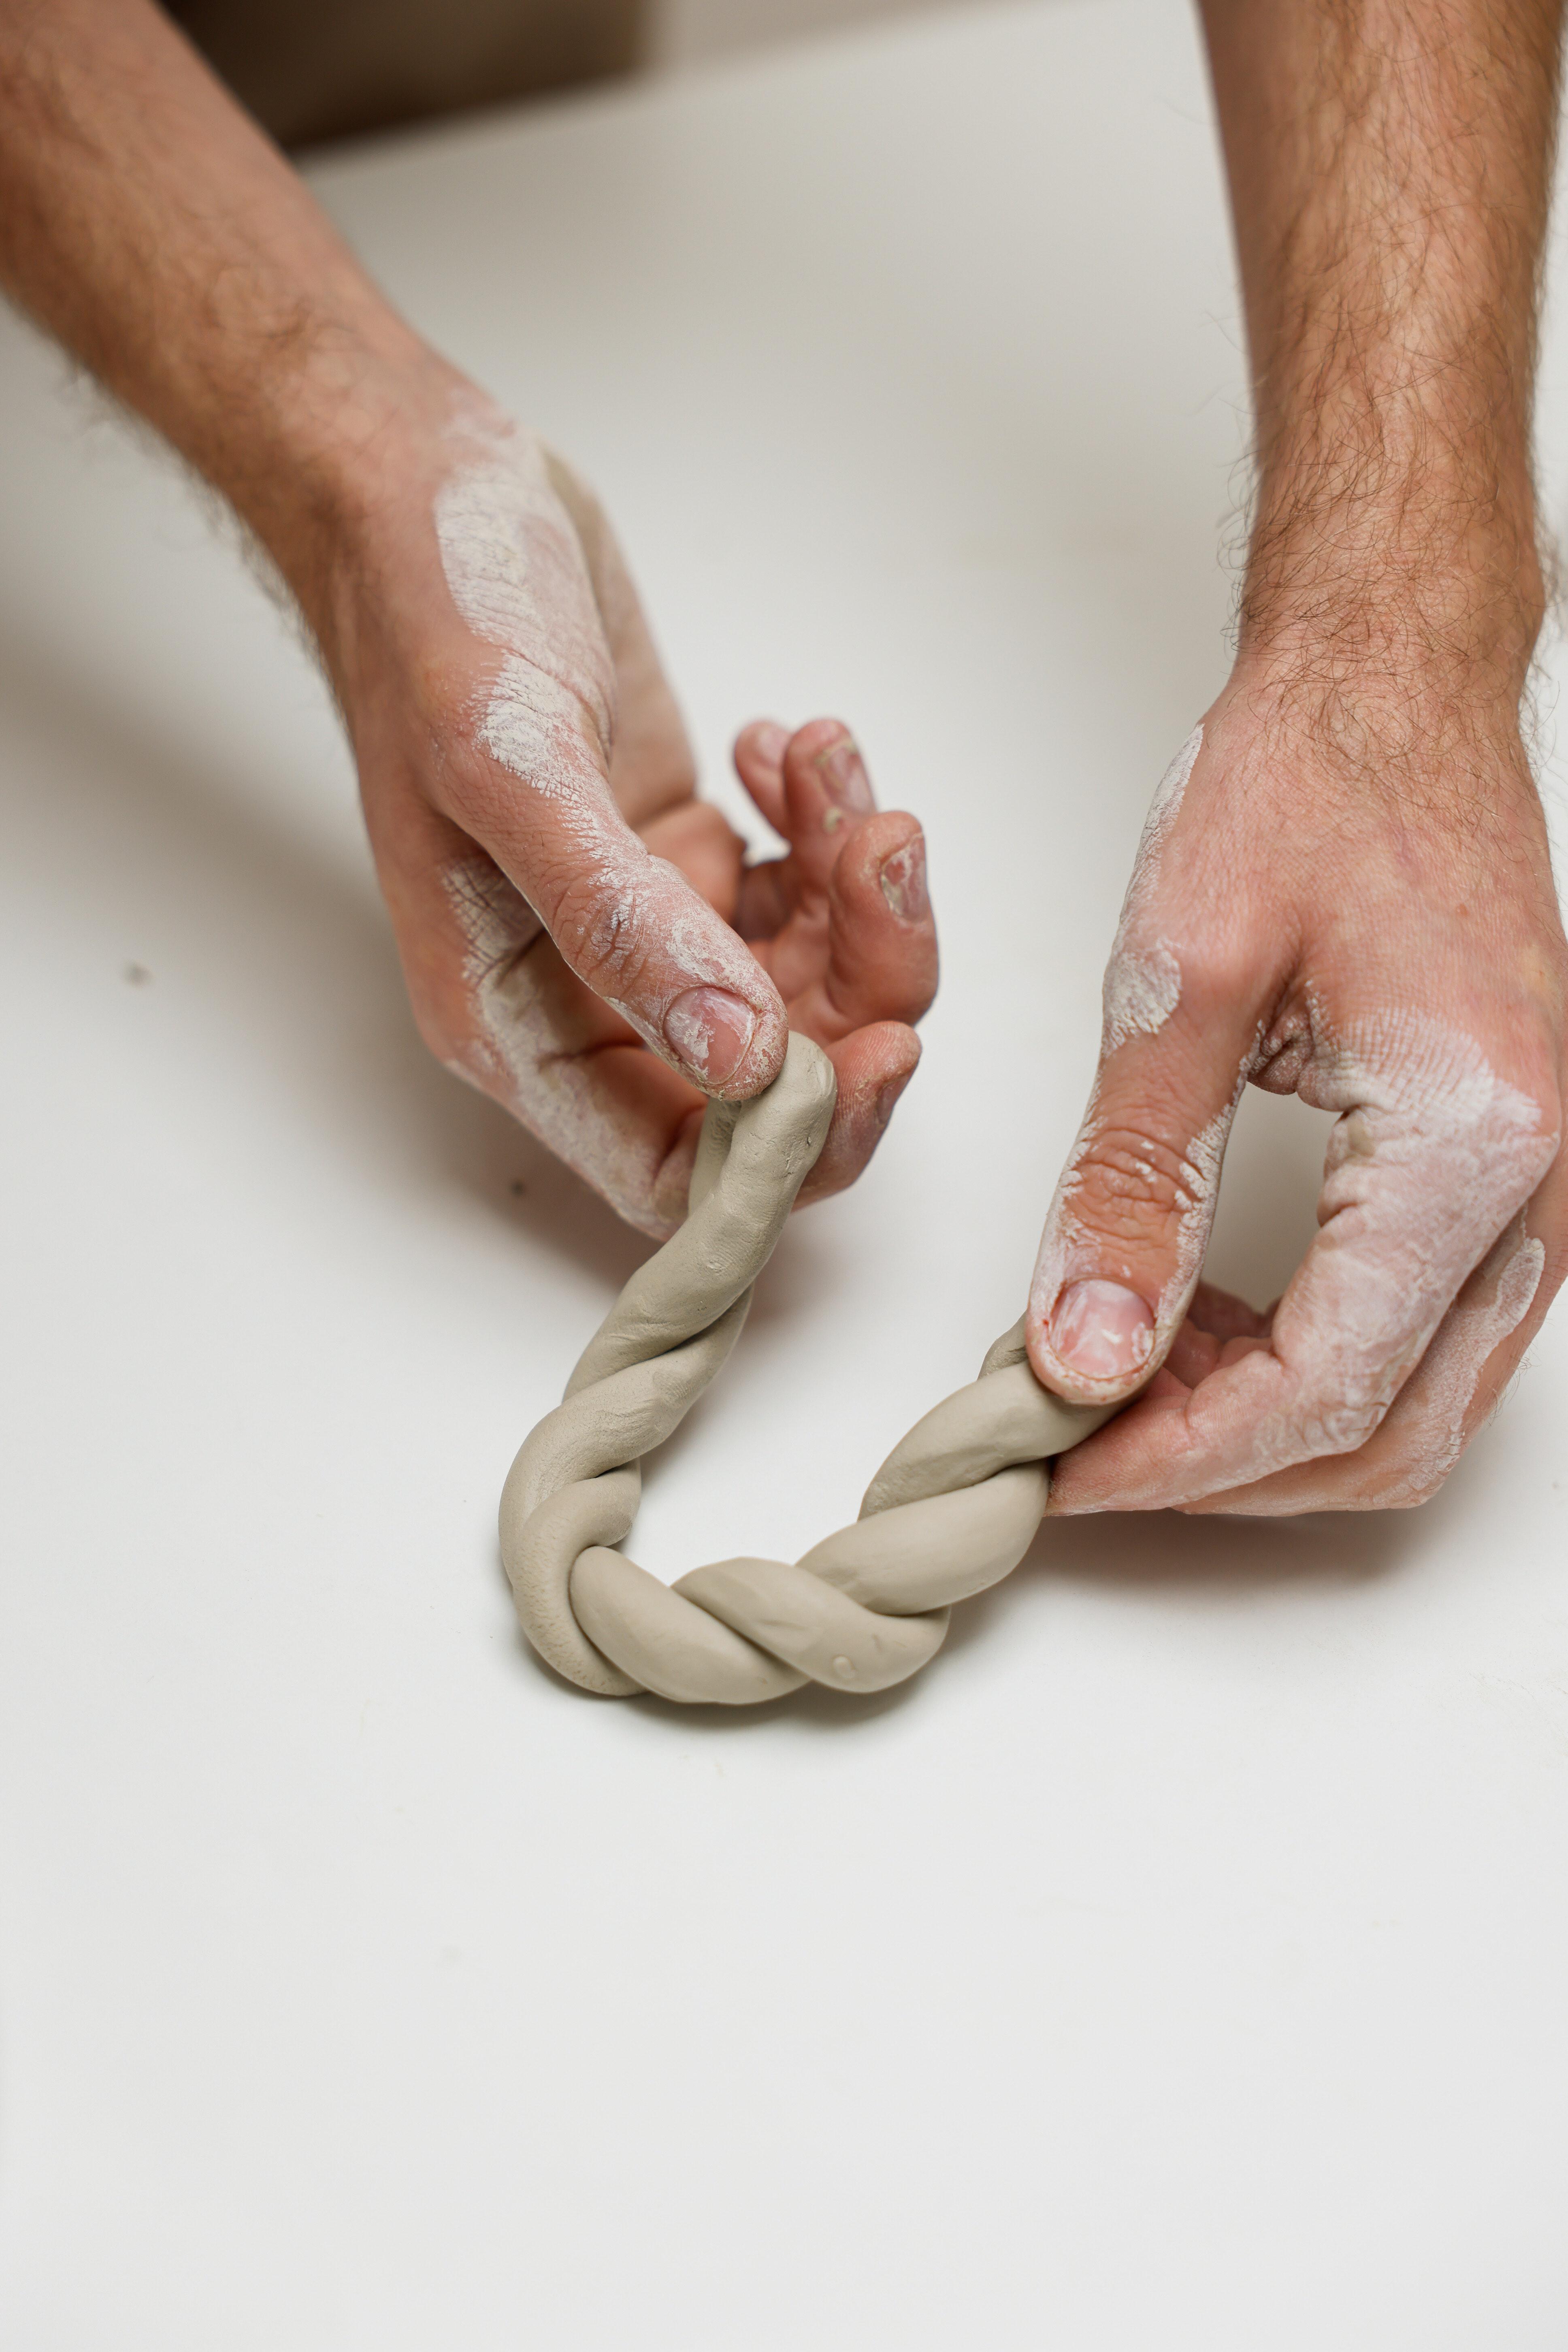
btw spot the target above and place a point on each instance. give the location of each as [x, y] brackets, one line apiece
[1433, 1154]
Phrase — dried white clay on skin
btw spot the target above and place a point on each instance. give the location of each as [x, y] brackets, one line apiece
[1432, 1410]
[1072, 1252]
[1433, 1155]
[1142, 988]
[1196, 1201]
[517, 1056]
[515, 565]
[1451, 1369]
[1143, 983]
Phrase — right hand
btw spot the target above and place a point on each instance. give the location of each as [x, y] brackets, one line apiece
[1346, 894]
[562, 900]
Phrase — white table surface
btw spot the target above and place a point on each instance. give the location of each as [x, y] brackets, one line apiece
[1180, 1961]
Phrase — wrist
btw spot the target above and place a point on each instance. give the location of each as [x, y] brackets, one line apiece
[1411, 573]
[329, 456]
[1337, 727]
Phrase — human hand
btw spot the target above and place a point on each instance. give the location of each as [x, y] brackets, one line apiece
[581, 936]
[1347, 897]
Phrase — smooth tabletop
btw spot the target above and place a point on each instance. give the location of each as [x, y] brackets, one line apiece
[1179, 1962]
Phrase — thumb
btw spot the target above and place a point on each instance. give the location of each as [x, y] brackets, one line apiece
[1124, 1241]
[627, 923]
[532, 784]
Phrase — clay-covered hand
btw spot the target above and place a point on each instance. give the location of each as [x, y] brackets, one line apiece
[581, 936]
[560, 899]
[1353, 903]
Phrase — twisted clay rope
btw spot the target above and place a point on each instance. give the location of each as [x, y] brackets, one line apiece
[953, 1509]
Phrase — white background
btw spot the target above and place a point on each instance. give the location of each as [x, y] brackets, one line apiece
[1179, 1962]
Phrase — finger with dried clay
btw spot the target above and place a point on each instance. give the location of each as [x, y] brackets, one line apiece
[582, 936]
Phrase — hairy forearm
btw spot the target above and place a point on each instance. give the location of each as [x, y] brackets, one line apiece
[1390, 167]
[149, 224]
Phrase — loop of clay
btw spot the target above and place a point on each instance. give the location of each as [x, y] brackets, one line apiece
[953, 1509]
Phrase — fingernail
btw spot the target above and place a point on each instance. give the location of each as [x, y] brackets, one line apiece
[903, 880]
[1101, 1330]
[710, 1030]
[843, 777]
[769, 740]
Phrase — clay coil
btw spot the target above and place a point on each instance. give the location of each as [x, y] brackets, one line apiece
[953, 1509]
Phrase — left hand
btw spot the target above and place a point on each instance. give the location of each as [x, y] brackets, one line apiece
[580, 934]
[1351, 899]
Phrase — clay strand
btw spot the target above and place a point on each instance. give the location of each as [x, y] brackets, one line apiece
[953, 1509]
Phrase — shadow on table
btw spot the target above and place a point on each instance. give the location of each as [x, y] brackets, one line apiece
[1206, 1559]
[293, 947]
[1224, 1564]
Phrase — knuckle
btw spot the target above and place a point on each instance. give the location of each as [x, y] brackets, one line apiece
[1219, 973]
[450, 701]
[595, 926]
[1128, 1181]
[500, 734]
[1216, 975]
[1339, 1424]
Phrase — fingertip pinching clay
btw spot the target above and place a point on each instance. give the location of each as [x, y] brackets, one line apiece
[953, 1509]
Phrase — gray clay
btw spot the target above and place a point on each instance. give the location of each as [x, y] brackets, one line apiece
[953, 1509]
